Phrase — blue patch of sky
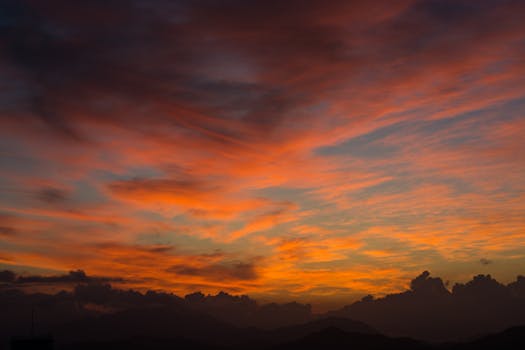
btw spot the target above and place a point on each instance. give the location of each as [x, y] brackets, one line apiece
[325, 214]
[150, 215]
[85, 192]
[190, 242]
[395, 186]
[370, 145]
[141, 172]
[406, 184]
[456, 185]
[477, 119]
[14, 156]
[366, 146]
[281, 193]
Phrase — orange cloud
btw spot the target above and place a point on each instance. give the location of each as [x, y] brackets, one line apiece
[315, 148]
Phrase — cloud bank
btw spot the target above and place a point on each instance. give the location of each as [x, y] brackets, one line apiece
[428, 310]
[327, 150]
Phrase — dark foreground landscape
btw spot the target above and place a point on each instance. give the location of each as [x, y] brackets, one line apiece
[481, 314]
[332, 337]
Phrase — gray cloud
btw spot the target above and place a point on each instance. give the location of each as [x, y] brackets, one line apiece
[7, 276]
[221, 271]
[7, 231]
[484, 261]
[52, 195]
[73, 277]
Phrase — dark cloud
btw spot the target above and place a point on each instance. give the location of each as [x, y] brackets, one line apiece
[52, 195]
[7, 231]
[198, 59]
[484, 261]
[96, 298]
[428, 310]
[517, 287]
[160, 249]
[7, 276]
[8, 225]
[173, 187]
[135, 53]
[243, 310]
[424, 284]
[5, 258]
[243, 271]
[73, 277]
[425, 311]
[112, 314]
[483, 287]
[109, 298]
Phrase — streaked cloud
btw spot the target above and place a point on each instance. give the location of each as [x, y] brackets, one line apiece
[309, 143]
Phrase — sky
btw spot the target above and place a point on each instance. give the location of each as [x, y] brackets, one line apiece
[289, 150]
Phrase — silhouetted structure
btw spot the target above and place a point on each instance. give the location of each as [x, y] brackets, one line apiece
[32, 343]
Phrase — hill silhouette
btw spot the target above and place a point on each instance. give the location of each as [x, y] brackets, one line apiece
[93, 311]
[137, 343]
[183, 323]
[335, 338]
[326, 338]
[512, 338]
[430, 311]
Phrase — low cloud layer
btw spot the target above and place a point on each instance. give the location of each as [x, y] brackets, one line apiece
[428, 310]
[73, 277]
[232, 271]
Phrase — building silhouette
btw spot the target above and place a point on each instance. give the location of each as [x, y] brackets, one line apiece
[32, 342]
[44, 342]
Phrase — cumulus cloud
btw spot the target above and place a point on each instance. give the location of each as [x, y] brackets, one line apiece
[430, 311]
[52, 195]
[424, 284]
[426, 311]
[7, 231]
[222, 271]
[73, 277]
[7, 276]
[485, 261]
[94, 297]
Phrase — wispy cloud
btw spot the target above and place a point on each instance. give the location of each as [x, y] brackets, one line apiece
[304, 134]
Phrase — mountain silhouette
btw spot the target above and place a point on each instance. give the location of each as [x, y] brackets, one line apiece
[510, 339]
[93, 311]
[297, 331]
[430, 311]
[327, 338]
[141, 343]
[335, 338]
[190, 326]
[158, 322]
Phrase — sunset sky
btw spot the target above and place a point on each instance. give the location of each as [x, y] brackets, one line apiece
[302, 150]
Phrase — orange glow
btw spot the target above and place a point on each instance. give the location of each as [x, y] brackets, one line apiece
[338, 151]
